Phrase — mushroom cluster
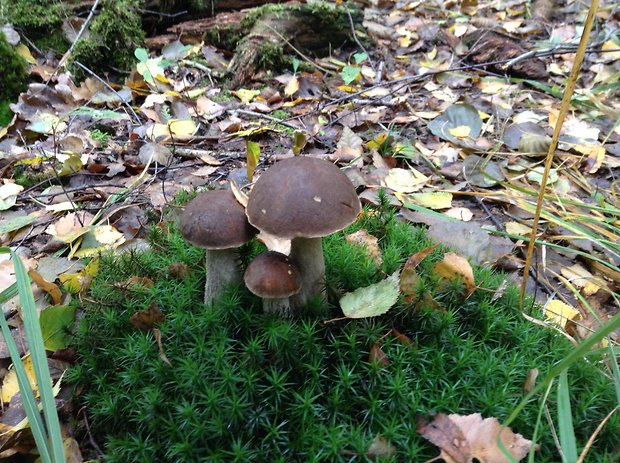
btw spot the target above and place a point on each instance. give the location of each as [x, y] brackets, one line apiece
[303, 199]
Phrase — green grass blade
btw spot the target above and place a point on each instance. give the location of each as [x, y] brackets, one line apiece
[39, 359]
[580, 351]
[8, 293]
[565, 421]
[616, 371]
[28, 400]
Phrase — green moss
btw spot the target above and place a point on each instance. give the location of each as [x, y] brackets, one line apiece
[245, 386]
[14, 79]
[115, 33]
[35, 16]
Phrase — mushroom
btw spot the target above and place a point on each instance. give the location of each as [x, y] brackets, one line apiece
[304, 199]
[273, 277]
[215, 221]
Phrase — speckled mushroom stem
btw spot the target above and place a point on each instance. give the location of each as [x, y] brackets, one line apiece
[222, 268]
[281, 307]
[307, 254]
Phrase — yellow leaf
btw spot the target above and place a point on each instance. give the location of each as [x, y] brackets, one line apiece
[347, 88]
[80, 281]
[516, 228]
[611, 48]
[182, 128]
[246, 96]
[252, 155]
[71, 165]
[23, 51]
[378, 141]
[100, 238]
[560, 313]
[454, 266]
[432, 200]
[10, 386]
[292, 86]
[300, 141]
[461, 131]
[404, 180]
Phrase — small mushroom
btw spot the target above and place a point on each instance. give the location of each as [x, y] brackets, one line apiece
[274, 278]
[215, 221]
[304, 199]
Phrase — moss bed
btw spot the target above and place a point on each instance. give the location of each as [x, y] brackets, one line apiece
[245, 386]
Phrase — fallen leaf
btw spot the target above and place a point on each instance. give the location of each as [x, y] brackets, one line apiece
[481, 172]
[8, 194]
[459, 118]
[409, 278]
[431, 200]
[560, 312]
[454, 266]
[463, 438]
[10, 387]
[292, 86]
[372, 300]
[380, 448]
[79, 282]
[154, 152]
[404, 180]
[350, 144]
[252, 151]
[162, 354]
[56, 322]
[377, 355]
[369, 242]
[530, 381]
[50, 288]
[147, 319]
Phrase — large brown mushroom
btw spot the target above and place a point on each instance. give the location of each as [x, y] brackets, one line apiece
[215, 221]
[304, 199]
[274, 278]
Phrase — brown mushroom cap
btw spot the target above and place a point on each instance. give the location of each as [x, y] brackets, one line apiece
[302, 197]
[216, 220]
[271, 275]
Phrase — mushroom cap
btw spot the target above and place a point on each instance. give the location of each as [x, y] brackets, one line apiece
[302, 197]
[272, 275]
[215, 220]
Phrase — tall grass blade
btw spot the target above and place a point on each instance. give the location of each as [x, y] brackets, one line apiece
[28, 400]
[565, 421]
[616, 371]
[39, 359]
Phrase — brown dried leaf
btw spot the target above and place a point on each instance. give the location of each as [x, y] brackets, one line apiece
[147, 319]
[377, 355]
[50, 288]
[371, 243]
[463, 438]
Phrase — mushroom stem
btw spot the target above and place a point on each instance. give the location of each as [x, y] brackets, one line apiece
[307, 254]
[222, 269]
[281, 307]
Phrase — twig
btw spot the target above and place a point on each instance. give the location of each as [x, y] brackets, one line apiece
[64, 58]
[265, 116]
[106, 85]
[90, 434]
[359, 44]
[286, 41]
